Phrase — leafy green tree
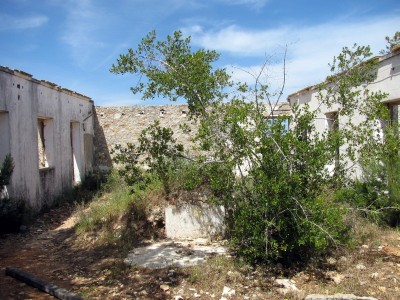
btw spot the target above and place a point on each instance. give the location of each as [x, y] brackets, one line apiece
[346, 90]
[392, 42]
[275, 201]
[174, 71]
[156, 152]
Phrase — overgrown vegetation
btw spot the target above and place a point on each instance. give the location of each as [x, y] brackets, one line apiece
[273, 181]
[11, 210]
[118, 216]
[6, 171]
[157, 150]
[392, 43]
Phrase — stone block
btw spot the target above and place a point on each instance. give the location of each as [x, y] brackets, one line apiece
[194, 221]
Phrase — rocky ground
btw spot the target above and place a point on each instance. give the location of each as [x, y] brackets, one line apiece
[49, 250]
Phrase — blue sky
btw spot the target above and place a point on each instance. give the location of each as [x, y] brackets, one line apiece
[73, 43]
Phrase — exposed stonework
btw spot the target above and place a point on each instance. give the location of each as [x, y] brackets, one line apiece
[122, 124]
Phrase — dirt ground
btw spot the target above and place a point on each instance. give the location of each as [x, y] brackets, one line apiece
[48, 250]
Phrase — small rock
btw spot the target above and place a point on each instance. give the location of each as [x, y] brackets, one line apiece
[143, 292]
[360, 267]
[338, 297]
[374, 275]
[178, 297]
[228, 292]
[331, 261]
[365, 246]
[335, 277]
[288, 285]
[196, 295]
[164, 287]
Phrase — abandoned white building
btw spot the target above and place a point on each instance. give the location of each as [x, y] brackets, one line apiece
[387, 80]
[48, 130]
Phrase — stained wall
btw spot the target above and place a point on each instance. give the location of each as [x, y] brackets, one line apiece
[48, 130]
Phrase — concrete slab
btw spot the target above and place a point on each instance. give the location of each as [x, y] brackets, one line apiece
[194, 221]
[174, 254]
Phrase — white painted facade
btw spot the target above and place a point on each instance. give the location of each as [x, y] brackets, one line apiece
[387, 81]
[48, 130]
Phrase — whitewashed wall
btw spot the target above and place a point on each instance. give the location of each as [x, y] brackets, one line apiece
[388, 81]
[24, 100]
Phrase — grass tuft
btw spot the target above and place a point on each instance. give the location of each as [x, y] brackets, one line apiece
[118, 215]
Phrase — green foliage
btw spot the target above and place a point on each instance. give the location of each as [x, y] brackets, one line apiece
[116, 215]
[6, 171]
[156, 153]
[277, 211]
[217, 177]
[347, 92]
[11, 210]
[271, 180]
[174, 71]
[13, 213]
[377, 194]
[392, 42]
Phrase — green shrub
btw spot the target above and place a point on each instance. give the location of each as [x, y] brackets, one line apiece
[275, 203]
[6, 171]
[13, 213]
[376, 195]
[155, 155]
[118, 214]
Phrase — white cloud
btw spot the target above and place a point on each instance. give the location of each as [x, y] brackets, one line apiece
[310, 48]
[80, 30]
[239, 41]
[19, 23]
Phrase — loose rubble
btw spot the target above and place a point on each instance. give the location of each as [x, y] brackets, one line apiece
[338, 297]
[176, 254]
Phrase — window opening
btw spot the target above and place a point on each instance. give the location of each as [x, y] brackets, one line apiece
[43, 163]
[5, 135]
[75, 152]
[332, 120]
[45, 142]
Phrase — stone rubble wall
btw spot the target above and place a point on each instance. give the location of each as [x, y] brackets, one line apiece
[122, 124]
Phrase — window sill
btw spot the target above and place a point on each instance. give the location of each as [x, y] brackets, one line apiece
[45, 169]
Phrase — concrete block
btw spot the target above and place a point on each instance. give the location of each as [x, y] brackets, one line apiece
[194, 221]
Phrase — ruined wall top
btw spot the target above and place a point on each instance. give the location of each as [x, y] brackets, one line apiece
[124, 124]
[45, 83]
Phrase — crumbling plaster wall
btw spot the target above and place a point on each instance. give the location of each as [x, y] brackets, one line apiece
[25, 100]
